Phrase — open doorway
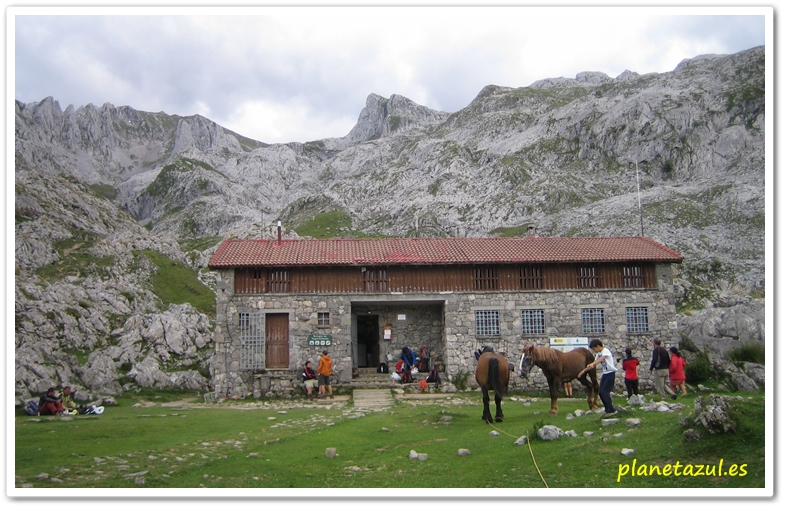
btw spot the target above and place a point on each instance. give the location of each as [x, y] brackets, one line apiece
[368, 341]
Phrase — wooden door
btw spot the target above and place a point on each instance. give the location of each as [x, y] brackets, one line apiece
[277, 340]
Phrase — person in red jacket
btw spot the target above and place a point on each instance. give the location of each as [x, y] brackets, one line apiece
[631, 367]
[677, 371]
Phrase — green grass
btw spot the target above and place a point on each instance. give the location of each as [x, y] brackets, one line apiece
[75, 258]
[325, 225]
[175, 283]
[233, 444]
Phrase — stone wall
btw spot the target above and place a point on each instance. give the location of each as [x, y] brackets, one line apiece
[443, 321]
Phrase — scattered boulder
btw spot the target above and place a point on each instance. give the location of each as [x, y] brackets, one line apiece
[632, 422]
[628, 452]
[463, 452]
[637, 400]
[549, 433]
[712, 412]
[522, 440]
[691, 435]
[330, 452]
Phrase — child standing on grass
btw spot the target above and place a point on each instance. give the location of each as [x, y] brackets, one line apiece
[631, 367]
[603, 357]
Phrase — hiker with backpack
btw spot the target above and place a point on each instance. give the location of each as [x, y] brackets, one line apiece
[50, 403]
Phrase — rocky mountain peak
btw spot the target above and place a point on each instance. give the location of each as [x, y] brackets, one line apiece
[382, 117]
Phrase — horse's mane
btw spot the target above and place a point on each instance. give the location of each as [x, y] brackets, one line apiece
[543, 354]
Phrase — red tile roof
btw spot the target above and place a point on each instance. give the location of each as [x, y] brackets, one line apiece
[439, 251]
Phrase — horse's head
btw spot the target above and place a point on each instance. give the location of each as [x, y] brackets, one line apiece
[526, 364]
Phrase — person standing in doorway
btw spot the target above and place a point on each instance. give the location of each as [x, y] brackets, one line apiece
[659, 368]
[324, 370]
[603, 357]
[631, 367]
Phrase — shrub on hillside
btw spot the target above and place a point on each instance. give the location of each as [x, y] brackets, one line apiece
[748, 352]
[699, 370]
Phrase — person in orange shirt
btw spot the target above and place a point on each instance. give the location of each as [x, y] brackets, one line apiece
[324, 370]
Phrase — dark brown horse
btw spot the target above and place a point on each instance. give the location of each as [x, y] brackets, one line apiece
[492, 373]
[561, 367]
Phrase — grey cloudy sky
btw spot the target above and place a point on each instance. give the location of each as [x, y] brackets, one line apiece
[299, 74]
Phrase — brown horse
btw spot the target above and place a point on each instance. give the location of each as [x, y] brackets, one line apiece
[561, 366]
[492, 373]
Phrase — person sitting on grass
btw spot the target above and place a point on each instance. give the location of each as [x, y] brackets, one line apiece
[50, 403]
[68, 401]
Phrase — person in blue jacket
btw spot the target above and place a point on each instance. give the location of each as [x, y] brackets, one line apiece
[409, 361]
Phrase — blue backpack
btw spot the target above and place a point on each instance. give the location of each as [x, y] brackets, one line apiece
[31, 408]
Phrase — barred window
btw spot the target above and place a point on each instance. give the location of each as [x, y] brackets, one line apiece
[375, 280]
[533, 321]
[531, 277]
[278, 281]
[323, 318]
[593, 320]
[588, 276]
[487, 323]
[637, 319]
[486, 278]
[632, 276]
[252, 340]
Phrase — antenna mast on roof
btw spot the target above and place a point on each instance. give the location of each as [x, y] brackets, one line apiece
[638, 194]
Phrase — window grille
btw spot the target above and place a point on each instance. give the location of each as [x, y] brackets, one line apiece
[588, 276]
[252, 341]
[323, 318]
[533, 321]
[486, 278]
[278, 281]
[531, 277]
[632, 276]
[375, 280]
[487, 323]
[593, 320]
[637, 319]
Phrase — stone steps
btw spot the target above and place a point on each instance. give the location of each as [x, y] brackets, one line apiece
[372, 398]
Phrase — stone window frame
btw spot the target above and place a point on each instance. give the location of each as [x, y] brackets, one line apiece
[323, 318]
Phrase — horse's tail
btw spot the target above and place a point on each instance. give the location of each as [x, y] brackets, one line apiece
[494, 378]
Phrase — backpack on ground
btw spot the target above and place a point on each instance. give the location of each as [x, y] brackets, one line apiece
[382, 368]
[31, 408]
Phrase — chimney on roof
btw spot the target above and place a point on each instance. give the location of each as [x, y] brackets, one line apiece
[278, 225]
[531, 232]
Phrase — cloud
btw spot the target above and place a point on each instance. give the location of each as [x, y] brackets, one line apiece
[301, 72]
[291, 120]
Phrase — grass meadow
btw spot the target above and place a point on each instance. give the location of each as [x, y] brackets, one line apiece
[185, 443]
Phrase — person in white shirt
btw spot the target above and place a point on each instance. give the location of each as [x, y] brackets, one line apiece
[604, 357]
